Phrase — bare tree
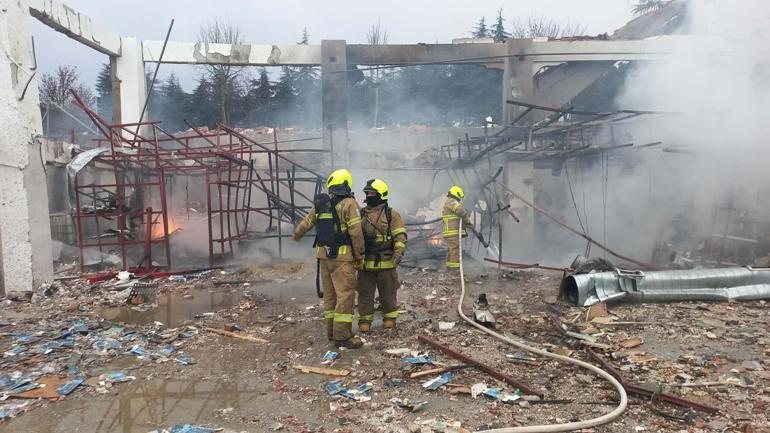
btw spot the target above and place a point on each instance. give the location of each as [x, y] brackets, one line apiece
[645, 6]
[223, 78]
[376, 36]
[535, 26]
[55, 88]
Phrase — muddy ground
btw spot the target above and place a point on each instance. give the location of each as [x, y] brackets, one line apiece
[245, 386]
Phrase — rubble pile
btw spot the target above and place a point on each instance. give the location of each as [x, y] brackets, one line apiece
[703, 365]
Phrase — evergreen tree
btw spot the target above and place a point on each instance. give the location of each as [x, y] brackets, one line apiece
[104, 92]
[481, 30]
[498, 31]
[202, 109]
[173, 103]
[307, 92]
[259, 100]
[284, 97]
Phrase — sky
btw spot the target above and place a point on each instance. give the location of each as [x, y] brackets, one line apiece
[282, 21]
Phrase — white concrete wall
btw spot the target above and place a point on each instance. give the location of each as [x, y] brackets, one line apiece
[25, 232]
[129, 88]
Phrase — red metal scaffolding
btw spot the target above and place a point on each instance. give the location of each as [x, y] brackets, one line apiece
[245, 181]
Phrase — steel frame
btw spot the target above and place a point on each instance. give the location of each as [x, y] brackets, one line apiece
[143, 163]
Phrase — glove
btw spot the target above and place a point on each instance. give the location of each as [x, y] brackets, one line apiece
[359, 265]
[295, 237]
[397, 258]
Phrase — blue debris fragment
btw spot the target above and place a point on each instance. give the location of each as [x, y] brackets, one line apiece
[333, 388]
[330, 358]
[417, 359]
[15, 350]
[117, 377]
[106, 344]
[189, 428]
[168, 350]
[138, 350]
[70, 386]
[185, 360]
[360, 393]
[505, 397]
[438, 382]
[80, 327]
[11, 410]
[394, 383]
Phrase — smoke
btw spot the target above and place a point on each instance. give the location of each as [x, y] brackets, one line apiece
[710, 171]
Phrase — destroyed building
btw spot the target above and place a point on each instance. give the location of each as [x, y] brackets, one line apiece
[149, 279]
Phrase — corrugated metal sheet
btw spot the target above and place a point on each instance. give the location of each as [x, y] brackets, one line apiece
[739, 284]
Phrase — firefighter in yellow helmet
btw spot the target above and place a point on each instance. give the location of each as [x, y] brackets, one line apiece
[451, 214]
[340, 251]
[385, 240]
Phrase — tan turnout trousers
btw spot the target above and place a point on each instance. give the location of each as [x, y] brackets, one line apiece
[338, 279]
[386, 284]
[338, 275]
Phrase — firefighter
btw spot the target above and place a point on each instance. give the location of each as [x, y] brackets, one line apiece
[340, 251]
[451, 214]
[385, 240]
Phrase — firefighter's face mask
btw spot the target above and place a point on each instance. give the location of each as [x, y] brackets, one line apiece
[373, 199]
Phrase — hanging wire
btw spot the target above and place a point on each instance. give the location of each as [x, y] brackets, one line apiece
[574, 202]
[605, 182]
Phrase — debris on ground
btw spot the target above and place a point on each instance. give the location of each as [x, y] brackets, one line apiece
[669, 355]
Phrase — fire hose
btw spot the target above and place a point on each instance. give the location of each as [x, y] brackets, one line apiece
[577, 425]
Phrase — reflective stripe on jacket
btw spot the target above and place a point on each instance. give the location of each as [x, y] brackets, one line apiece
[350, 223]
[451, 213]
[379, 254]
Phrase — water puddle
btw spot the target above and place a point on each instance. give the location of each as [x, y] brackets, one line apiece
[146, 405]
[174, 308]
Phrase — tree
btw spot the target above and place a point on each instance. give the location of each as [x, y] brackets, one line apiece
[645, 6]
[172, 104]
[284, 97]
[259, 100]
[307, 92]
[481, 30]
[55, 88]
[536, 26]
[498, 31]
[58, 103]
[104, 92]
[201, 108]
[376, 36]
[223, 78]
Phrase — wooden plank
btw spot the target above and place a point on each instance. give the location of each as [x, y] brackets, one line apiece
[236, 335]
[326, 371]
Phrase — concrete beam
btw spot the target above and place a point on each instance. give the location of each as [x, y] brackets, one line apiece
[25, 230]
[648, 49]
[72, 23]
[242, 55]
[426, 53]
[271, 55]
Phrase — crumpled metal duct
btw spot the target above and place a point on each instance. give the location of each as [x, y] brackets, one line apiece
[739, 284]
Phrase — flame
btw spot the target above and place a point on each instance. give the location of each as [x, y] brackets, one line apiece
[157, 228]
[435, 240]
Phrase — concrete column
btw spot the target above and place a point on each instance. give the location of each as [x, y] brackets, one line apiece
[25, 231]
[129, 85]
[517, 77]
[334, 96]
[519, 237]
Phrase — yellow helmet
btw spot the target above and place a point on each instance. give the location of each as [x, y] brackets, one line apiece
[340, 182]
[457, 192]
[378, 186]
